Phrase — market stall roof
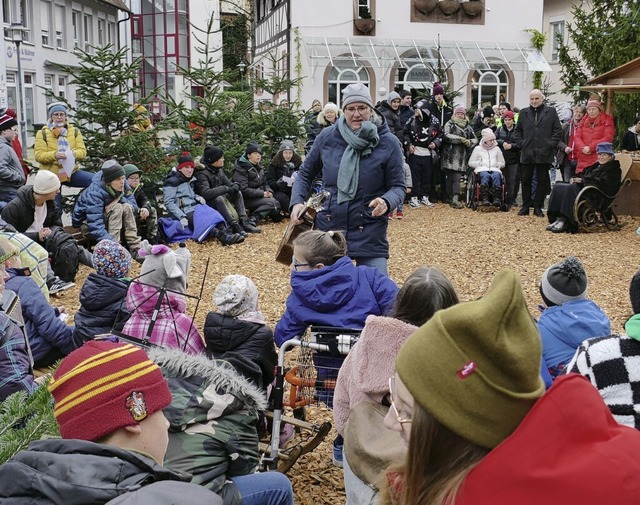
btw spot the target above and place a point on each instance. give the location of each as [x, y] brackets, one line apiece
[377, 52]
[622, 79]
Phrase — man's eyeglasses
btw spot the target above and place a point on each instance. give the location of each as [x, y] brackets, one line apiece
[297, 265]
[392, 388]
[360, 110]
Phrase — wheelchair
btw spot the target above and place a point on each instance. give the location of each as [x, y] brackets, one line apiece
[474, 197]
[593, 208]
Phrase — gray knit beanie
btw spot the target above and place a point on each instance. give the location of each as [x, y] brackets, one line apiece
[356, 93]
[393, 96]
[564, 282]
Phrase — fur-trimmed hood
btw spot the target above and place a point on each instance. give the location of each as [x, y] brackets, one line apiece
[209, 377]
[322, 121]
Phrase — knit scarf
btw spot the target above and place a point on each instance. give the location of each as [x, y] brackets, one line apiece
[59, 130]
[359, 143]
[632, 327]
[462, 123]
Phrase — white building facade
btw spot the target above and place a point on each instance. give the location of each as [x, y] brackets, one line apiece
[487, 56]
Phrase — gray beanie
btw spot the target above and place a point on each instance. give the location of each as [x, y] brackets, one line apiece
[287, 145]
[356, 93]
[393, 96]
[564, 282]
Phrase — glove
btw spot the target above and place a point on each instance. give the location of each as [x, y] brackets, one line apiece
[234, 188]
[200, 200]
[466, 142]
[184, 222]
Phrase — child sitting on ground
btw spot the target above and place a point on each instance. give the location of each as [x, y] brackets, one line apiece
[238, 326]
[103, 293]
[487, 162]
[50, 338]
[163, 280]
[147, 218]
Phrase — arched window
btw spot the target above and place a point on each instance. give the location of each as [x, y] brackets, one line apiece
[489, 86]
[341, 76]
[417, 77]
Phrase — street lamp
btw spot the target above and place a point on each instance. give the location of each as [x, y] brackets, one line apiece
[241, 67]
[16, 37]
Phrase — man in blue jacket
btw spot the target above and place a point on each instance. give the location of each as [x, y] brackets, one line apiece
[362, 169]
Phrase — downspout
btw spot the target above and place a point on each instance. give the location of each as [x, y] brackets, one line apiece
[289, 49]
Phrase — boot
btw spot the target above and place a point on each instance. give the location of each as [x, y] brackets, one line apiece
[455, 202]
[537, 211]
[248, 226]
[496, 194]
[524, 211]
[225, 237]
[276, 216]
[235, 227]
[484, 196]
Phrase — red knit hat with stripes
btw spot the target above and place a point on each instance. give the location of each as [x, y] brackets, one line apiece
[104, 386]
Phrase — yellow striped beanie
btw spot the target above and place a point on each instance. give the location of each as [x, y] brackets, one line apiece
[104, 386]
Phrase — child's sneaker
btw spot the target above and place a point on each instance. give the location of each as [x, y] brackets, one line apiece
[286, 433]
[414, 202]
[392, 215]
[425, 201]
[337, 454]
[400, 214]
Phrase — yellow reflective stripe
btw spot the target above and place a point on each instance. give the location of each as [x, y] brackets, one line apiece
[94, 361]
[109, 382]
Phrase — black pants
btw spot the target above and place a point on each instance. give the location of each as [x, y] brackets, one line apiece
[421, 173]
[542, 176]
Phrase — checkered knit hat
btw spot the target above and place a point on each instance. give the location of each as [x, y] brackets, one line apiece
[111, 259]
[634, 293]
[102, 387]
[564, 282]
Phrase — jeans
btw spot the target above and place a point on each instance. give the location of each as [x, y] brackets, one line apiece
[266, 488]
[79, 179]
[380, 263]
[490, 178]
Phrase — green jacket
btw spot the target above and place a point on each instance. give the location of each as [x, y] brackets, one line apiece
[213, 420]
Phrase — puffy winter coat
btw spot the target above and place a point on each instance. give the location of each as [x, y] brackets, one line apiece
[211, 183]
[568, 449]
[381, 175]
[564, 327]
[225, 334]
[365, 373]
[102, 306]
[250, 178]
[454, 153]
[46, 332]
[90, 206]
[46, 146]
[213, 421]
[483, 160]
[15, 363]
[11, 174]
[512, 155]
[341, 295]
[631, 140]
[278, 168]
[20, 213]
[393, 119]
[592, 131]
[76, 472]
[179, 194]
[538, 134]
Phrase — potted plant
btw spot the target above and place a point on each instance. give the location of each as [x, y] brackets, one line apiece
[425, 6]
[364, 23]
[449, 7]
[473, 7]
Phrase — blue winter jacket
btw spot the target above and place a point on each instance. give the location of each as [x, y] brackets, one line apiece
[564, 327]
[90, 207]
[44, 329]
[381, 175]
[15, 360]
[179, 194]
[340, 295]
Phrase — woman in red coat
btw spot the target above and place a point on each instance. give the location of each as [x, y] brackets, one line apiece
[596, 127]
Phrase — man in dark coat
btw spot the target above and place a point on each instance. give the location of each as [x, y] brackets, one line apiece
[538, 134]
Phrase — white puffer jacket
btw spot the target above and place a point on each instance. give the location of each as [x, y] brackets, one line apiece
[485, 160]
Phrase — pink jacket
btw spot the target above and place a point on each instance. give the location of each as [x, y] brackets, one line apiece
[365, 373]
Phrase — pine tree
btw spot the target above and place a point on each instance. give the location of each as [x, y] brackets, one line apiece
[603, 35]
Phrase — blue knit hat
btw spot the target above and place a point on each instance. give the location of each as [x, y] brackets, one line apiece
[57, 107]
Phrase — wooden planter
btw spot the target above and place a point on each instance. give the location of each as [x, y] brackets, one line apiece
[473, 7]
[425, 6]
[364, 25]
[449, 7]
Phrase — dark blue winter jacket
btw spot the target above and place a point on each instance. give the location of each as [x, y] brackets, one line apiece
[341, 295]
[44, 329]
[564, 327]
[15, 360]
[381, 175]
[90, 206]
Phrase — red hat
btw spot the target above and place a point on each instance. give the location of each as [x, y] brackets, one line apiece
[508, 113]
[593, 102]
[185, 160]
[6, 122]
[102, 387]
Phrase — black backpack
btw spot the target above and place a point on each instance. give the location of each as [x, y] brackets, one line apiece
[63, 250]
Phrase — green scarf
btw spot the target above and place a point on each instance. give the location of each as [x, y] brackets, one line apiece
[462, 123]
[359, 143]
[632, 327]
